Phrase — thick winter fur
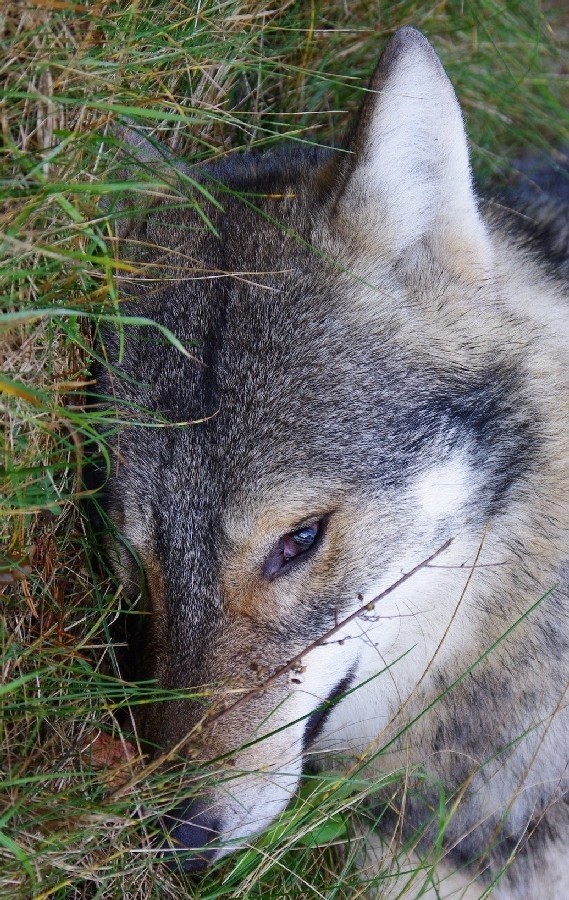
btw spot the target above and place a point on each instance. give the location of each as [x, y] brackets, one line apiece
[374, 351]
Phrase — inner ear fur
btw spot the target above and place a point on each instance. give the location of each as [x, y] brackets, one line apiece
[407, 179]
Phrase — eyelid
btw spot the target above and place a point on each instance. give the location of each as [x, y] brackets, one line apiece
[318, 519]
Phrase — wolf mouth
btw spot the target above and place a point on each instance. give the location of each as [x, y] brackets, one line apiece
[317, 721]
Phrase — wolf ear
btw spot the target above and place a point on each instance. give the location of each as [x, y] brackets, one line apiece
[149, 167]
[408, 179]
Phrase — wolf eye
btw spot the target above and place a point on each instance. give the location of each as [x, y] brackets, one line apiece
[290, 547]
[299, 541]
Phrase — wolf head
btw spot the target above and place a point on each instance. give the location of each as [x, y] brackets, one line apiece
[341, 411]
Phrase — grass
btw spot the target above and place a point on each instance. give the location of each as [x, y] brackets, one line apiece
[209, 78]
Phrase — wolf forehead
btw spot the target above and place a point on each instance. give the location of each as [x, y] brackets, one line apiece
[281, 360]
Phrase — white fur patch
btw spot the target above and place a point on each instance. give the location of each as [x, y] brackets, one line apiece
[394, 643]
[443, 489]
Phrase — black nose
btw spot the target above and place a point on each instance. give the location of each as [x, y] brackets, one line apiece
[190, 828]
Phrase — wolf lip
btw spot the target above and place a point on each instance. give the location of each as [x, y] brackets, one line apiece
[317, 720]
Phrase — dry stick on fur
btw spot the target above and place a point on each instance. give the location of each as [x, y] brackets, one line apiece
[211, 717]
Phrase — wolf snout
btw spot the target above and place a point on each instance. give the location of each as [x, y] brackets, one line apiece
[190, 829]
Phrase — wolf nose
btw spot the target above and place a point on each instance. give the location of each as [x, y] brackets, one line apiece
[190, 829]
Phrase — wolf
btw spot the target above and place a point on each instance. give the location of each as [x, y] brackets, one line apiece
[343, 470]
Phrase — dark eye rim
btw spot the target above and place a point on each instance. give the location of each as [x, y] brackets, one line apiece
[277, 564]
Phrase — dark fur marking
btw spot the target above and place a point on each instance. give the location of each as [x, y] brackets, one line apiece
[535, 209]
[317, 720]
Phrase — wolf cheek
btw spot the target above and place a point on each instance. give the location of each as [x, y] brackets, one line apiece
[376, 367]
